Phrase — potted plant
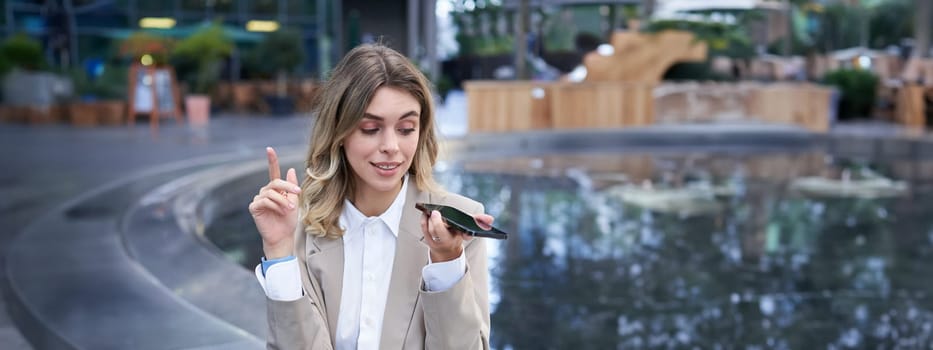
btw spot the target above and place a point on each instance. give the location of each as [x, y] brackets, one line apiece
[23, 52]
[110, 89]
[83, 109]
[199, 60]
[282, 52]
[100, 97]
[858, 88]
[25, 88]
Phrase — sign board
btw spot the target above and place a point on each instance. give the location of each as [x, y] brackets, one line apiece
[153, 91]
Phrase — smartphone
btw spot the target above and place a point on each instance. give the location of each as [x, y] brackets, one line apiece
[461, 221]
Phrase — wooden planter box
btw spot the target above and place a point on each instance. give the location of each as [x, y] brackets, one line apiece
[32, 114]
[83, 113]
[40, 115]
[503, 106]
[910, 105]
[17, 114]
[7, 114]
[60, 113]
[111, 112]
[244, 96]
[807, 105]
[304, 92]
[602, 105]
[496, 106]
[223, 94]
[676, 103]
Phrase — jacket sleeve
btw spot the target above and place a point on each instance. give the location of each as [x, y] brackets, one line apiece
[458, 318]
[298, 324]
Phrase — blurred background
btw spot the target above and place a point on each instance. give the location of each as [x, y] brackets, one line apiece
[79, 56]
[712, 174]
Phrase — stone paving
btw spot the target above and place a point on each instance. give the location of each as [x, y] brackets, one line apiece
[45, 165]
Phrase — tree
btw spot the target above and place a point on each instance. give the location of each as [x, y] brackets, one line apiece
[200, 56]
[281, 52]
[891, 22]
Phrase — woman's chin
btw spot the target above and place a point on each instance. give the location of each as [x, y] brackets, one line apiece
[385, 184]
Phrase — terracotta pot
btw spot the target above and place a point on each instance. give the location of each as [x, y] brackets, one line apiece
[198, 109]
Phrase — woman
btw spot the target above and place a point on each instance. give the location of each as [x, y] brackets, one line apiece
[349, 262]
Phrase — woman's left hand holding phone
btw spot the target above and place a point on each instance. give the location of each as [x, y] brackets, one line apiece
[446, 243]
[274, 210]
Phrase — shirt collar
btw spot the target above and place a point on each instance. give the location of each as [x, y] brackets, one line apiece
[351, 218]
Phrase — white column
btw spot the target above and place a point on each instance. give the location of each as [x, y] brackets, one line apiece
[413, 26]
[430, 39]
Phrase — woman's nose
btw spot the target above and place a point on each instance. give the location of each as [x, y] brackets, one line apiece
[389, 143]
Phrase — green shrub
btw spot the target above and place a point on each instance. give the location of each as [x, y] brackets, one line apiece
[281, 50]
[22, 51]
[199, 57]
[5, 65]
[858, 90]
[110, 85]
[722, 39]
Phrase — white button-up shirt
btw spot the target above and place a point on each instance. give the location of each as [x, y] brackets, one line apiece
[369, 254]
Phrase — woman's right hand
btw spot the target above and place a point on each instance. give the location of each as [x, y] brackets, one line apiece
[274, 210]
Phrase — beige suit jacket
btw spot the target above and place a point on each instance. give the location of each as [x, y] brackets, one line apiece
[457, 318]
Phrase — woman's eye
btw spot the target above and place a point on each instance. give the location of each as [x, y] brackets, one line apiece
[372, 131]
[406, 131]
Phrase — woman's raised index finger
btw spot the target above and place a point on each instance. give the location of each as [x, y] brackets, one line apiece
[274, 172]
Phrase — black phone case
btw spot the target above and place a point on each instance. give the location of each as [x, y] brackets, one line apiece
[493, 233]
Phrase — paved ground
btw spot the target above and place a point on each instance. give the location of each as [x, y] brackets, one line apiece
[46, 165]
[43, 166]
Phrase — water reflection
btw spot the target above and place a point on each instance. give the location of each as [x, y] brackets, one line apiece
[731, 256]
[694, 251]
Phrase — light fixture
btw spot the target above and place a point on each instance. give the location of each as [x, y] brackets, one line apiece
[262, 26]
[156, 22]
[864, 62]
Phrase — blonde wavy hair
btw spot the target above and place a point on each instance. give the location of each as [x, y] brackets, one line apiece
[339, 108]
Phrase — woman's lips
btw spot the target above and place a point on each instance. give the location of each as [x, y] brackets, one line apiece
[387, 168]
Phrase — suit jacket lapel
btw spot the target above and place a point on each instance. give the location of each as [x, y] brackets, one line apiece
[411, 255]
[325, 261]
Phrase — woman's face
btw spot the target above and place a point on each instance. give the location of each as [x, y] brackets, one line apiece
[381, 148]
